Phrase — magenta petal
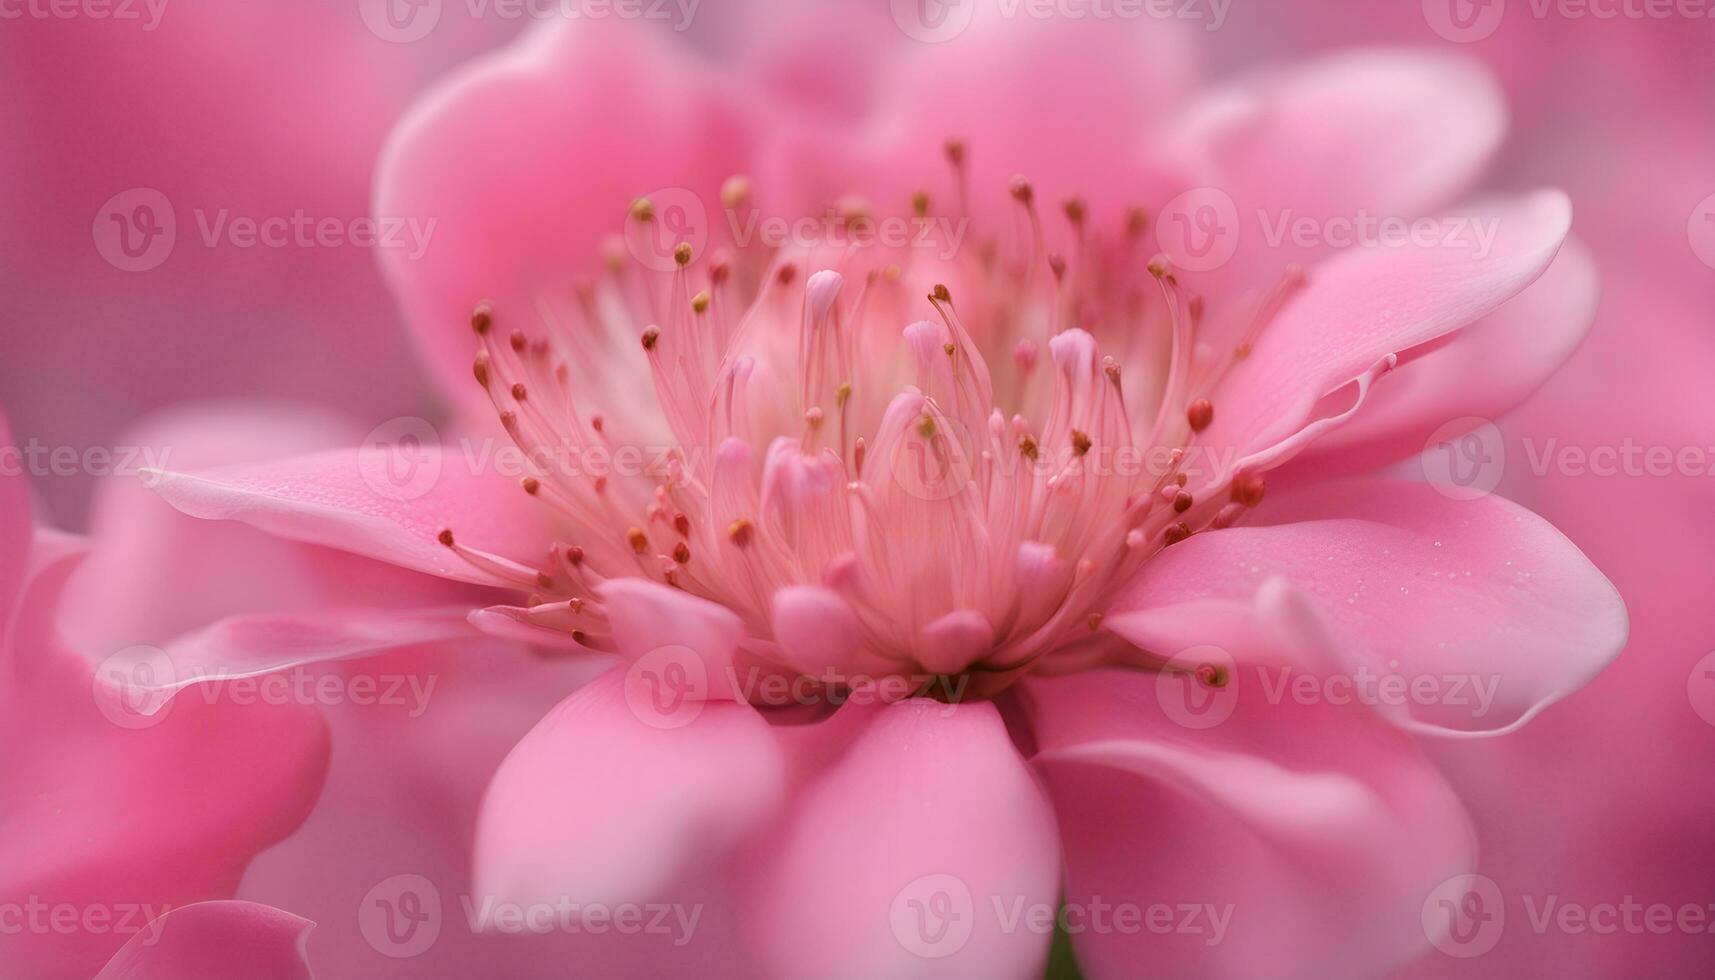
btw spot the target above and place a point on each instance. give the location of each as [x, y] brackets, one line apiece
[612, 798]
[359, 500]
[217, 941]
[1480, 601]
[1294, 841]
[910, 855]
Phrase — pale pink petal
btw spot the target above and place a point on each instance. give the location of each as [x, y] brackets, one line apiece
[1305, 836]
[201, 571]
[1485, 371]
[1385, 133]
[1367, 304]
[816, 629]
[1068, 103]
[910, 854]
[1485, 610]
[346, 499]
[217, 941]
[251, 646]
[655, 623]
[106, 808]
[528, 160]
[615, 797]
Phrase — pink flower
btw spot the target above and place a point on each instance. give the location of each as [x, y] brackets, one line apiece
[113, 817]
[943, 490]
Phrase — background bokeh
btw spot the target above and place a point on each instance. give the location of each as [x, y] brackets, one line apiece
[274, 107]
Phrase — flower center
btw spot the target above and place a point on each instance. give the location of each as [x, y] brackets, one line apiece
[876, 422]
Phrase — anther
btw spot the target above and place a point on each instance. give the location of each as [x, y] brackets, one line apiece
[682, 254]
[735, 190]
[1248, 489]
[445, 537]
[482, 318]
[638, 540]
[1027, 447]
[1080, 442]
[1020, 189]
[1176, 533]
[682, 553]
[700, 302]
[942, 294]
[1182, 502]
[920, 204]
[1074, 210]
[741, 531]
[518, 391]
[1136, 221]
[1213, 675]
[682, 524]
[955, 150]
[650, 336]
[480, 369]
[518, 341]
[531, 485]
[642, 209]
[1200, 414]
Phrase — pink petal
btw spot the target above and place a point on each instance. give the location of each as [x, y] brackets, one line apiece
[527, 184]
[217, 941]
[1388, 133]
[202, 571]
[1307, 837]
[1082, 135]
[251, 646]
[816, 629]
[1488, 607]
[661, 627]
[1486, 370]
[1368, 303]
[930, 812]
[345, 499]
[614, 797]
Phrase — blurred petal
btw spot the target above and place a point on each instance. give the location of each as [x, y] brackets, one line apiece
[1304, 838]
[217, 941]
